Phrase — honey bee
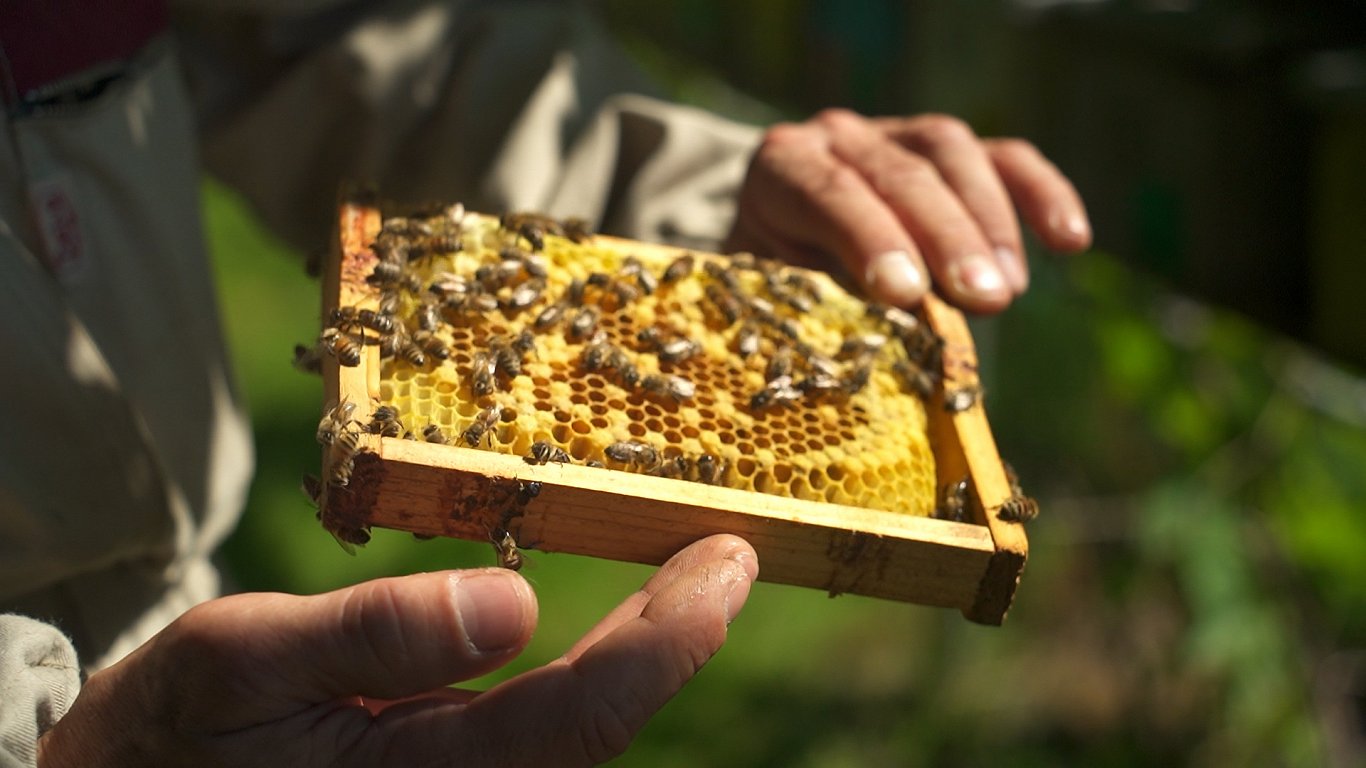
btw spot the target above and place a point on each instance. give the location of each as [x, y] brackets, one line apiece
[725, 302]
[676, 387]
[390, 344]
[543, 452]
[1019, 508]
[919, 380]
[524, 295]
[599, 279]
[389, 302]
[857, 377]
[862, 346]
[507, 362]
[482, 373]
[404, 228]
[340, 346]
[386, 273]
[903, 323]
[676, 468]
[389, 250]
[447, 284]
[820, 384]
[724, 274]
[778, 392]
[524, 343]
[433, 434]
[577, 229]
[803, 283]
[953, 503]
[333, 421]
[343, 456]
[491, 277]
[509, 556]
[384, 422]
[744, 260]
[678, 350]
[711, 470]
[679, 268]
[536, 266]
[483, 423]
[549, 317]
[780, 364]
[596, 354]
[526, 491]
[797, 301]
[583, 323]
[594, 463]
[573, 295]
[428, 316]
[632, 453]
[444, 242]
[431, 344]
[647, 282]
[343, 317]
[530, 226]
[925, 347]
[307, 359]
[789, 328]
[817, 364]
[624, 292]
[747, 340]
[410, 351]
[626, 370]
[963, 398]
[762, 308]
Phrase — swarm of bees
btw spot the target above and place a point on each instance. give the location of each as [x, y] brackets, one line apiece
[533, 336]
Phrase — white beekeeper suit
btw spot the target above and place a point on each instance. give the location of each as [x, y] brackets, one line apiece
[126, 455]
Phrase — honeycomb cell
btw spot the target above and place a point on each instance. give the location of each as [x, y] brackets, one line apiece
[867, 448]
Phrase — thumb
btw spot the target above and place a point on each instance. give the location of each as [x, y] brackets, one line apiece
[271, 655]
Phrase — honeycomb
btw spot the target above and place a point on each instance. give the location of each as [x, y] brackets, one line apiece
[533, 337]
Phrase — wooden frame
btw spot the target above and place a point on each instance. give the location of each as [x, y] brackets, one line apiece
[444, 490]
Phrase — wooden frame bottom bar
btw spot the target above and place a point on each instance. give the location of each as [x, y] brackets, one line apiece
[439, 490]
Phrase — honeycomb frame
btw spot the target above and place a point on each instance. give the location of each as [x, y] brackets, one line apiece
[448, 490]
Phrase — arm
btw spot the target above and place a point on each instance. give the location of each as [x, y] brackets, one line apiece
[39, 679]
[358, 676]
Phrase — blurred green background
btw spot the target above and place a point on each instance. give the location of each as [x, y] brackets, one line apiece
[1186, 402]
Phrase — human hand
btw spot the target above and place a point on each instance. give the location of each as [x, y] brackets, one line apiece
[357, 676]
[888, 197]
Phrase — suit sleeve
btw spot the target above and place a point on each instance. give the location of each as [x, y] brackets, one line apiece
[39, 679]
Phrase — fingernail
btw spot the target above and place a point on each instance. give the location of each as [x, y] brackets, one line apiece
[1013, 267]
[1078, 227]
[489, 607]
[896, 277]
[739, 589]
[1073, 226]
[978, 276]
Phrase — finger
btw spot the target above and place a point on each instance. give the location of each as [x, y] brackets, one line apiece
[273, 655]
[587, 710]
[712, 548]
[962, 160]
[954, 247]
[797, 191]
[1047, 199]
